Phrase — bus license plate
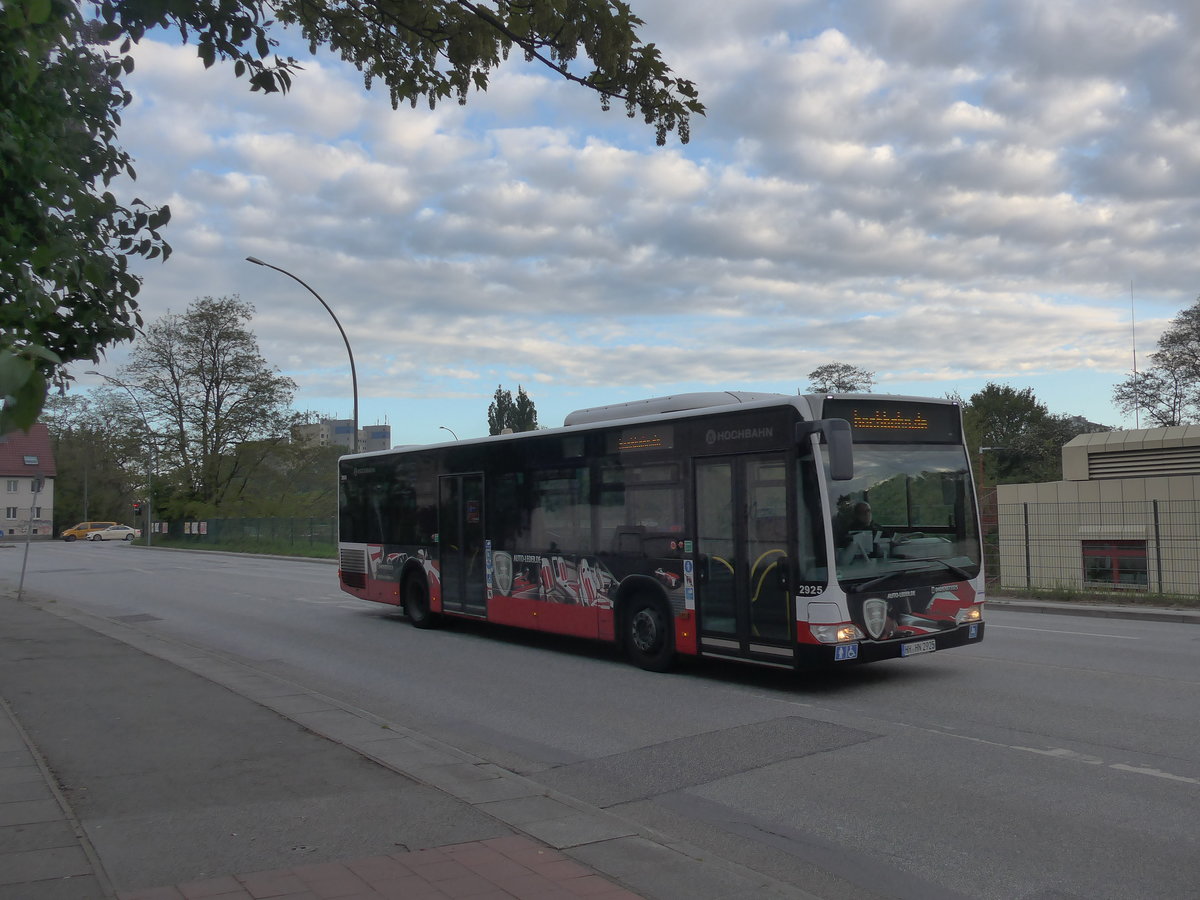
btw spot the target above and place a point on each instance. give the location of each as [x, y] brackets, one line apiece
[918, 647]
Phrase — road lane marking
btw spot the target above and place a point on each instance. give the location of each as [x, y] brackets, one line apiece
[1119, 637]
[1157, 773]
[1073, 756]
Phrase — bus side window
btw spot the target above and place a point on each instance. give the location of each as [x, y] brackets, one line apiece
[561, 517]
[509, 520]
[640, 509]
[610, 508]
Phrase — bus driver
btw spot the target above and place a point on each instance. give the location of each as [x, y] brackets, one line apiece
[858, 532]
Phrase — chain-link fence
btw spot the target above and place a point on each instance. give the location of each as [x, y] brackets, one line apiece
[1150, 546]
[315, 534]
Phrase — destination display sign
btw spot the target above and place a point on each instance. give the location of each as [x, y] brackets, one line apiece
[897, 421]
[651, 437]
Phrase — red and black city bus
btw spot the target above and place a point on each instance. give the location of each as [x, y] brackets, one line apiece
[774, 529]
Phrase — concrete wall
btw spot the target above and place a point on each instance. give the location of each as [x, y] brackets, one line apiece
[1042, 527]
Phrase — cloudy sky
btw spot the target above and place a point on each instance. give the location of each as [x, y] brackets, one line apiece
[943, 192]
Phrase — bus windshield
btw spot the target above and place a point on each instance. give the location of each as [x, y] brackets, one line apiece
[909, 512]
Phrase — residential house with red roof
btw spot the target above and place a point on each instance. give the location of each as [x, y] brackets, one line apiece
[27, 473]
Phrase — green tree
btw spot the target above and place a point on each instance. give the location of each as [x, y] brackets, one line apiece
[524, 414]
[207, 391]
[500, 410]
[840, 378]
[65, 287]
[1168, 393]
[1014, 438]
[291, 480]
[515, 415]
[65, 242]
[100, 449]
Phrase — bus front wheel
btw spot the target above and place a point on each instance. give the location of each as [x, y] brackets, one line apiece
[649, 635]
[416, 603]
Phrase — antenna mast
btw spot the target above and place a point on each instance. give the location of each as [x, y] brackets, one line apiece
[1133, 330]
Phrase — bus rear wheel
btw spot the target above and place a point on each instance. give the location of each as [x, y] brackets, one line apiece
[649, 636]
[416, 602]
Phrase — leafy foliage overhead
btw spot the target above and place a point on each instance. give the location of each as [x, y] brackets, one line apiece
[431, 49]
[65, 287]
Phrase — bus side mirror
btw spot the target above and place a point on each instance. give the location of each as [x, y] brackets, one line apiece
[836, 435]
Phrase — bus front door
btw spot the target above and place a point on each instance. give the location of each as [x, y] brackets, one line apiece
[460, 544]
[742, 594]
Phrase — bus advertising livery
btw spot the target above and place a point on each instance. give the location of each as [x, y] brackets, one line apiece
[787, 531]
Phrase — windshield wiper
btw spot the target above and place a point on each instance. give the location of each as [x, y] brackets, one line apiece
[888, 576]
[880, 579]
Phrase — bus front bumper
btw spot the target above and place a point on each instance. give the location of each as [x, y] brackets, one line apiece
[899, 648]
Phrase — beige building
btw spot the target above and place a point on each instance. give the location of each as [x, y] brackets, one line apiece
[1126, 515]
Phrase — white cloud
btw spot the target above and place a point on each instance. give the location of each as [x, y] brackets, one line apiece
[942, 192]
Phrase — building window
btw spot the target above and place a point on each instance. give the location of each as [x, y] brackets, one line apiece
[12, 485]
[37, 512]
[10, 512]
[1119, 564]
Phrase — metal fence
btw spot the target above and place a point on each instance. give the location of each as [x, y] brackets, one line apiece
[263, 533]
[1150, 546]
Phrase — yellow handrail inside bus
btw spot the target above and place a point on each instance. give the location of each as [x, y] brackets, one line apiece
[763, 578]
[758, 590]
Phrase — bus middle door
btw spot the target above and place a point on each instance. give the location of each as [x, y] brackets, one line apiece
[742, 513]
[461, 544]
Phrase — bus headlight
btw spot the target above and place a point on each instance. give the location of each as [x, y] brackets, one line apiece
[836, 634]
[970, 614]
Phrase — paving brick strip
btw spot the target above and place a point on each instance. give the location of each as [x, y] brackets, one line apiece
[506, 867]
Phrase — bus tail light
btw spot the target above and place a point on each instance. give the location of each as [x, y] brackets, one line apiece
[836, 634]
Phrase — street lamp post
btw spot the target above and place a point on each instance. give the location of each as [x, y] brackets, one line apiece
[149, 521]
[346, 340]
[451, 430]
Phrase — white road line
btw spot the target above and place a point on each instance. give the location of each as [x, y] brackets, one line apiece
[1072, 756]
[1119, 637]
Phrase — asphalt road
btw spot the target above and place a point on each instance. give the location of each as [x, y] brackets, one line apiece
[1058, 759]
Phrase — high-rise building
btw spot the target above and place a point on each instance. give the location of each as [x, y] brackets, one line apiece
[340, 433]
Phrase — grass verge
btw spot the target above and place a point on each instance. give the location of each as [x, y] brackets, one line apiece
[269, 548]
[1113, 598]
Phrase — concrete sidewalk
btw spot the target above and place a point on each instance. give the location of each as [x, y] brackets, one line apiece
[141, 768]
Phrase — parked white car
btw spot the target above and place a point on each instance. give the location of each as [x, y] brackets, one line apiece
[115, 533]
